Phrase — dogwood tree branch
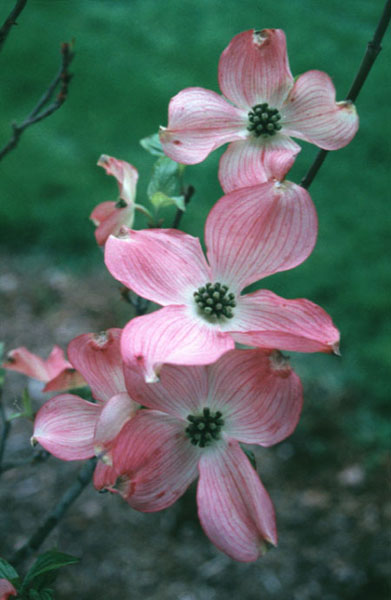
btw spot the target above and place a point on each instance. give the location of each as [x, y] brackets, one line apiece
[11, 20]
[39, 112]
[6, 428]
[83, 479]
[373, 49]
[188, 193]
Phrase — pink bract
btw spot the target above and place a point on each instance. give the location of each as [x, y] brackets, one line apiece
[72, 428]
[250, 233]
[197, 416]
[260, 94]
[55, 371]
[109, 217]
[6, 589]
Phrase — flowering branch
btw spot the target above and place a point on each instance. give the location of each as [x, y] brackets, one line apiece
[11, 20]
[39, 113]
[373, 49]
[83, 479]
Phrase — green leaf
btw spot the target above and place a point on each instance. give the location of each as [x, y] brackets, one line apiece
[250, 456]
[27, 411]
[152, 145]
[160, 200]
[165, 177]
[7, 571]
[49, 561]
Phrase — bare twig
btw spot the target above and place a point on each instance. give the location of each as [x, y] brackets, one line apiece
[188, 193]
[83, 479]
[39, 112]
[37, 457]
[373, 49]
[11, 20]
[5, 430]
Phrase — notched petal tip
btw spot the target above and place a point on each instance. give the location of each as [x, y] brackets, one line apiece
[103, 160]
[33, 442]
[262, 36]
[335, 349]
[280, 363]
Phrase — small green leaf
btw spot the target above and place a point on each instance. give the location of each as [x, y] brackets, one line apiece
[165, 177]
[7, 571]
[152, 145]
[160, 200]
[49, 561]
[27, 411]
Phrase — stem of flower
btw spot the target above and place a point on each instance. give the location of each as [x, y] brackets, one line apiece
[373, 49]
[83, 479]
[11, 20]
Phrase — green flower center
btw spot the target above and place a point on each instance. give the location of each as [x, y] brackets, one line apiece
[214, 300]
[263, 120]
[204, 429]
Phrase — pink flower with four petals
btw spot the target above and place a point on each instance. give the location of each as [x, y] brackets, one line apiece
[264, 107]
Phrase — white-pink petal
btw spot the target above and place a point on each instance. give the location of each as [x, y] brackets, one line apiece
[66, 380]
[115, 413]
[234, 508]
[65, 427]
[98, 358]
[269, 321]
[254, 68]
[312, 114]
[125, 174]
[114, 218]
[257, 231]
[6, 589]
[200, 121]
[154, 460]
[105, 477]
[24, 361]
[260, 402]
[255, 160]
[163, 265]
[171, 335]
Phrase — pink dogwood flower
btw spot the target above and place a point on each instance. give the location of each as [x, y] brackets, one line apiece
[72, 428]
[263, 106]
[6, 589]
[250, 233]
[109, 217]
[195, 419]
[55, 371]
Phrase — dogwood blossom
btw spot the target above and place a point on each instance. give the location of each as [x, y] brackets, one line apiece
[6, 589]
[196, 418]
[250, 233]
[263, 106]
[72, 428]
[110, 216]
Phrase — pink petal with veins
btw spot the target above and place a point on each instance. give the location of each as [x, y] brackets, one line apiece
[264, 319]
[254, 68]
[65, 427]
[261, 403]
[66, 380]
[234, 508]
[251, 162]
[115, 413]
[6, 589]
[111, 223]
[163, 265]
[98, 358]
[125, 174]
[154, 460]
[200, 121]
[257, 231]
[23, 361]
[105, 477]
[312, 114]
[171, 335]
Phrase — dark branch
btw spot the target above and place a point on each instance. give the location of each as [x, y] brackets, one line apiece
[373, 49]
[39, 112]
[57, 513]
[37, 457]
[6, 428]
[188, 193]
[11, 20]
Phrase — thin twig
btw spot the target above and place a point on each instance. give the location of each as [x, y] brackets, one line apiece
[39, 113]
[373, 49]
[188, 193]
[5, 430]
[37, 457]
[11, 20]
[83, 479]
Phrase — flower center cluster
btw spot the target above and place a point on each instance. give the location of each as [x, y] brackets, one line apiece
[213, 300]
[263, 120]
[205, 428]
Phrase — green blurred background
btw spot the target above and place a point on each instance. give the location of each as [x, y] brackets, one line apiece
[131, 57]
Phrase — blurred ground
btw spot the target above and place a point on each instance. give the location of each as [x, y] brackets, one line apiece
[331, 502]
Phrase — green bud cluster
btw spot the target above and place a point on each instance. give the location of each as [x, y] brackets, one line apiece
[263, 120]
[213, 300]
[205, 428]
